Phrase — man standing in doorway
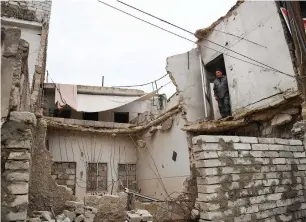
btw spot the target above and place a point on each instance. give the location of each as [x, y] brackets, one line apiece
[222, 94]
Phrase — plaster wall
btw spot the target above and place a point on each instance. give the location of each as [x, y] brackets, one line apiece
[30, 34]
[84, 147]
[156, 158]
[252, 86]
[185, 70]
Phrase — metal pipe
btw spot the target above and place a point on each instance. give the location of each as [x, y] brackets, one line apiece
[203, 84]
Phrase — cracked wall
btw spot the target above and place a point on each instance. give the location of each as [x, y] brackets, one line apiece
[31, 17]
[250, 179]
[15, 90]
[252, 86]
[184, 71]
[163, 168]
[85, 147]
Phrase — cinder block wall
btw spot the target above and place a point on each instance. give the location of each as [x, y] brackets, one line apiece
[249, 178]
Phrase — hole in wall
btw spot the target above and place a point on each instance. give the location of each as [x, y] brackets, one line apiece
[174, 156]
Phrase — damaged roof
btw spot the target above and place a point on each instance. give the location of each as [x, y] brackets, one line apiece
[264, 113]
[201, 34]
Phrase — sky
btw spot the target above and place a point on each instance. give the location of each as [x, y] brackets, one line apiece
[88, 40]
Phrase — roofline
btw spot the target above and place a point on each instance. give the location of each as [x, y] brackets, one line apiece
[203, 33]
[98, 90]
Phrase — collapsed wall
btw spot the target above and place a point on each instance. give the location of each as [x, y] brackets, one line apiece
[249, 178]
[44, 193]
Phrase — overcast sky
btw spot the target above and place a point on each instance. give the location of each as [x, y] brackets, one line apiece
[89, 40]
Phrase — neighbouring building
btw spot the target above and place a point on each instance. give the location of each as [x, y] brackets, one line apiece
[95, 162]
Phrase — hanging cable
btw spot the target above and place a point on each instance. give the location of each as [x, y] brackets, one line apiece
[183, 28]
[265, 66]
[144, 83]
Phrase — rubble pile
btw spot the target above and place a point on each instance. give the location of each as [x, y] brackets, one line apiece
[110, 207]
[74, 212]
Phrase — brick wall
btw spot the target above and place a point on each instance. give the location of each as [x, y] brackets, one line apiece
[16, 144]
[64, 173]
[38, 11]
[249, 178]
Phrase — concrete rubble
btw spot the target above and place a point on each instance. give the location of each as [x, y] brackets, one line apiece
[74, 212]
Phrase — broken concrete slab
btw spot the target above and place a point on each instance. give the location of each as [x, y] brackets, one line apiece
[281, 119]
[47, 215]
[110, 207]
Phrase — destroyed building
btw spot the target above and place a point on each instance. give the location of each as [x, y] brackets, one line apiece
[71, 150]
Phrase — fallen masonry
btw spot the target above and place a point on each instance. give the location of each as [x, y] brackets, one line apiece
[74, 212]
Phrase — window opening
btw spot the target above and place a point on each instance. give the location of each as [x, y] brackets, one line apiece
[91, 116]
[64, 173]
[127, 175]
[96, 177]
[121, 117]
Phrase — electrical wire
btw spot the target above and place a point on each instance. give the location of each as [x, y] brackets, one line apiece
[265, 66]
[144, 83]
[203, 38]
[241, 38]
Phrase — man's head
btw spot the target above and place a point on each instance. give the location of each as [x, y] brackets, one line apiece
[218, 73]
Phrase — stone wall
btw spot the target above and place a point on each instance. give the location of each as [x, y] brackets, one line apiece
[38, 11]
[16, 143]
[249, 178]
[15, 89]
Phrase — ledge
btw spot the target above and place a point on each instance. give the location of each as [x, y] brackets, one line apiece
[263, 113]
[89, 123]
[20, 23]
[106, 127]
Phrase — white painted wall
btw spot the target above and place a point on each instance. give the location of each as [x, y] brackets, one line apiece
[31, 34]
[108, 116]
[67, 147]
[259, 22]
[173, 173]
[185, 68]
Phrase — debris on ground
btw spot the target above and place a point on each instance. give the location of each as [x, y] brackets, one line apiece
[74, 212]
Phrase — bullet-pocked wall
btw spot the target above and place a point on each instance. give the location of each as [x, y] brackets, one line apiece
[163, 164]
[261, 37]
[85, 149]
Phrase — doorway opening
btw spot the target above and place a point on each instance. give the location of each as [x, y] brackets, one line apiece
[210, 68]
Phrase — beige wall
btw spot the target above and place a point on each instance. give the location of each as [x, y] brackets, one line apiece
[84, 147]
[173, 173]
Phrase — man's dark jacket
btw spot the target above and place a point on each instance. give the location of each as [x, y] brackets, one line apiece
[221, 87]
